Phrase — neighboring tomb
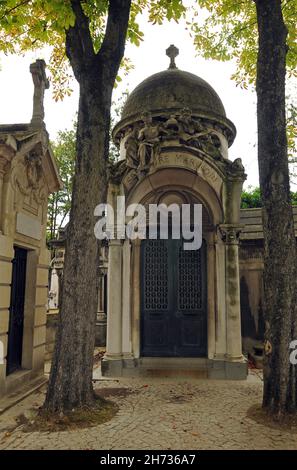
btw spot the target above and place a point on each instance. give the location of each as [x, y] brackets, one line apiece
[28, 174]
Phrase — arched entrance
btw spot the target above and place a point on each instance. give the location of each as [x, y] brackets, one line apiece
[173, 299]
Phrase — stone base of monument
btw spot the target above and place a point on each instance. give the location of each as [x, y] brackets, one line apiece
[200, 368]
[100, 332]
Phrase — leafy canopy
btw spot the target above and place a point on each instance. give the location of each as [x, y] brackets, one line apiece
[227, 29]
[221, 29]
[27, 25]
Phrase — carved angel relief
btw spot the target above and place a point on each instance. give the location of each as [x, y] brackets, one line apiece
[27, 180]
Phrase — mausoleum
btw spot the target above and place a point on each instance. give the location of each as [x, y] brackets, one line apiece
[170, 308]
[28, 174]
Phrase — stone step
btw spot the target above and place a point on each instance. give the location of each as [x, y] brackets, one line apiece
[174, 363]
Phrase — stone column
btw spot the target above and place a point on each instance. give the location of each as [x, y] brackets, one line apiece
[126, 305]
[114, 302]
[230, 235]
[221, 300]
[136, 252]
[211, 303]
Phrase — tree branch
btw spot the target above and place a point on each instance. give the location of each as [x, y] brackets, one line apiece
[79, 44]
[113, 45]
[10, 10]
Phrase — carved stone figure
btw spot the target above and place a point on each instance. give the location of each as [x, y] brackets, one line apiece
[27, 177]
[34, 169]
[171, 126]
[148, 142]
[235, 168]
[131, 146]
[191, 131]
[186, 125]
[116, 171]
[195, 134]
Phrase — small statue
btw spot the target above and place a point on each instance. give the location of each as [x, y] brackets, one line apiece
[171, 126]
[211, 144]
[34, 169]
[191, 131]
[235, 168]
[186, 125]
[116, 170]
[131, 146]
[148, 142]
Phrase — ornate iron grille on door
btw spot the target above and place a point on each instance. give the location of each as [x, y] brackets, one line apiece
[189, 279]
[173, 299]
[155, 275]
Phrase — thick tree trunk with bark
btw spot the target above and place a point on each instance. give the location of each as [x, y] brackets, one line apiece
[279, 240]
[70, 383]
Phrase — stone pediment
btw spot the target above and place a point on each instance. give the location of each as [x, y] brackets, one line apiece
[26, 156]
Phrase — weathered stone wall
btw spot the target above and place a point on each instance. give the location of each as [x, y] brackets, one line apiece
[251, 272]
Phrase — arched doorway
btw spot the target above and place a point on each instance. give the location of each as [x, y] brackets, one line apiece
[173, 299]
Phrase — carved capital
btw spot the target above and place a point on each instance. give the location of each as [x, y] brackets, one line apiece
[230, 233]
[235, 169]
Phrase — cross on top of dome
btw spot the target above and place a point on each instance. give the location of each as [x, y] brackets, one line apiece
[172, 52]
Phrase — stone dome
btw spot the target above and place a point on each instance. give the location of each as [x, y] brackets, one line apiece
[168, 92]
[172, 90]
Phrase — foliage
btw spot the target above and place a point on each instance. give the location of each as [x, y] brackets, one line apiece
[292, 133]
[228, 30]
[251, 198]
[27, 25]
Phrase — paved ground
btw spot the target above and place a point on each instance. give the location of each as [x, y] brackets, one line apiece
[162, 414]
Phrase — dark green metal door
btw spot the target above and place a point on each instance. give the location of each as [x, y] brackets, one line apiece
[173, 300]
[16, 311]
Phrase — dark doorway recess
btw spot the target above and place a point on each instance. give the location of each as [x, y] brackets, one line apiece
[16, 310]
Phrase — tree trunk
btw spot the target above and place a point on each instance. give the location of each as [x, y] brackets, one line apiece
[70, 383]
[279, 240]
